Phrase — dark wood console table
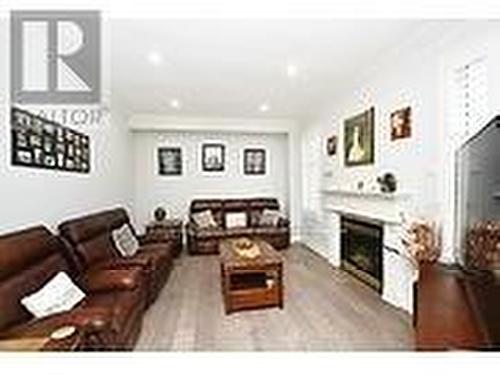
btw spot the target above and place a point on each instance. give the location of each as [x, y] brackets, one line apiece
[456, 310]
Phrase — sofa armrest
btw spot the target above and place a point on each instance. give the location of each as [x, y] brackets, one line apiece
[141, 238]
[191, 227]
[123, 264]
[283, 222]
[109, 279]
[92, 320]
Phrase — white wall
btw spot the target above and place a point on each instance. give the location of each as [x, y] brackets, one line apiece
[410, 75]
[176, 192]
[256, 127]
[30, 196]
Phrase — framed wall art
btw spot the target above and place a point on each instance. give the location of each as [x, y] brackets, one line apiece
[401, 124]
[169, 161]
[41, 143]
[359, 141]
[213, 157]
[331, 145]
[254, 161]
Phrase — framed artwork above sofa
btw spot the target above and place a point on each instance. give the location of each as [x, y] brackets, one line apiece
[170, 161]
[254, 161]
[213, 157]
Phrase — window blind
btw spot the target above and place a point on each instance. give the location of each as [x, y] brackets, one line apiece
[470, 94]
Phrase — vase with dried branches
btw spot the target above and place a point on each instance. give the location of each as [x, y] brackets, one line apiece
[421, 239]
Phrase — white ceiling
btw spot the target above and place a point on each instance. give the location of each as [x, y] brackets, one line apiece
[228, 68]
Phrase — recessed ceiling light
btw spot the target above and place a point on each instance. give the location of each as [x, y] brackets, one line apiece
[291, 70]
[264, 107]
[155, 58]
[174, 103]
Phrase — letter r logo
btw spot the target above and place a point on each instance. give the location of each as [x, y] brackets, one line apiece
[55, 57]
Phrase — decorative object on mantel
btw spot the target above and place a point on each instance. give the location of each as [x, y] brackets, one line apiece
[359, 140]
[483, 245]
[331, 145]
[422, 240]
[387, 182]
[160, 214]
[401, 124]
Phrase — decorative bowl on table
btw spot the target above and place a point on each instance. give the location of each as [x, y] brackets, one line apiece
[246, 248]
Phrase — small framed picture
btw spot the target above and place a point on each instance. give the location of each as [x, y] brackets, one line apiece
[38, 156]
[70, 164]
[35, 140]
[49, 161]
[170, 161]
[401, 124]
[213, 157]
[24, 157]
[21, 139]
[254, 161]
[60, 160]
[49, 129]
[48, 145]
[331, 145]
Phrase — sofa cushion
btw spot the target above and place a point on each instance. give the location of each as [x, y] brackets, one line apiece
[125, 241]
[209, 233]
[236, 220]
[100, 280]
[239, 231]
[28, 259]
[204, 219]
[57, 295]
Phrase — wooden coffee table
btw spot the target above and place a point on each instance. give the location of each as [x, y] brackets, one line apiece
[249, 283]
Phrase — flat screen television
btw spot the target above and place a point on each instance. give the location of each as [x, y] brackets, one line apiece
[478, 199]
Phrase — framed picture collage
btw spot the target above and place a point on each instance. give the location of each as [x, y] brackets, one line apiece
[41, 143]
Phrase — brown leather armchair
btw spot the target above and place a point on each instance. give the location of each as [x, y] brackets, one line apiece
[206, 240]
[91, 247]
[110, 316]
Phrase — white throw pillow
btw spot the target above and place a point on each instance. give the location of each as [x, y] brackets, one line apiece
[269, 218]
[59, 294]
[125, 241]
[204, 219]
[236, 220]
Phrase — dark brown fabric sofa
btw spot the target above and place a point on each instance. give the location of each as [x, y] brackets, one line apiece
[206, 240]
[110, 316]
[90, 242]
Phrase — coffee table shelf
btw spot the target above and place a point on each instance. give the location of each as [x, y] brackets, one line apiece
[251, 282]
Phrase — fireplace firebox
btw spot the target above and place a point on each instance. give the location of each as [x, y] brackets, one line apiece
[361, 250]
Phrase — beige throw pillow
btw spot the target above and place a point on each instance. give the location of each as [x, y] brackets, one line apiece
[236, 220]
[269, 218]
[204, 219]
[59, 294]
[125, 241]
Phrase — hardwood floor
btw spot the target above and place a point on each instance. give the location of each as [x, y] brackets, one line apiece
[325, 309]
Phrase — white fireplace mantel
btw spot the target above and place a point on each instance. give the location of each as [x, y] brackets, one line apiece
[385, 207]
[388, 210]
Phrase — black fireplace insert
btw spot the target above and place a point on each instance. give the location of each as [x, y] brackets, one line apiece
[361, 250]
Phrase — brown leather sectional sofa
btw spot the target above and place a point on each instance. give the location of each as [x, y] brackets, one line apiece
[118, 290]
[206, 240]
[89, 237]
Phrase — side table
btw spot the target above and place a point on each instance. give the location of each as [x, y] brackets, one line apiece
[165, 231]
